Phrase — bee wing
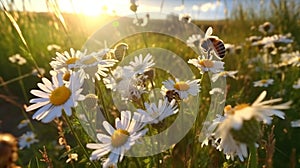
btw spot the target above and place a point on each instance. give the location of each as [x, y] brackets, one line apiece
[208, 32]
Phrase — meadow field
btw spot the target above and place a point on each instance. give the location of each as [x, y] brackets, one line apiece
[261, 46]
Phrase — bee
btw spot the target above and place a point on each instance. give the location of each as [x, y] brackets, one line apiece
[172, 94]
[213, 43]
[120, 51]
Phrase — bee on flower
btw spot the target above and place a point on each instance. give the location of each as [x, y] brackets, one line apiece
[183, 88]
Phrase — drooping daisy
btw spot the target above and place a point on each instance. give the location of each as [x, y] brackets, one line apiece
[128, 130]
[56, 96]
[240, 125]
[156, 113]
[263, 83]
[27, 139]
[297, 84]
[207, 65]
[93, 65]
[63, 60]
[183, 88]
[140, 65]
[225, 74]
[18, 59]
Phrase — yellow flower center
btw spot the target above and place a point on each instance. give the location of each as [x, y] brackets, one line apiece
[206, 63]
[28, 139]
[263, 81]
[182, 86]
[119, 138]
[60, 95]
[229, 110]
[71, 60]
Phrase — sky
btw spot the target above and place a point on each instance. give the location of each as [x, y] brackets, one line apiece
[198, 9]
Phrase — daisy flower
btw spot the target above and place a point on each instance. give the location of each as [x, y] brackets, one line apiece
[23, 124]
[297, 84]
[128, 130]
[140, 65]
[27, 139]
[93, 65]
[207, 65]
[266, 28]
[263, 83]
[295, 59]
[54, 47]
[186, 17]
[18, 59]
[225, 74]
[194, 40]
[240, 126]
[56, 96]
[183, 88]
[156, 113]
[63, 60]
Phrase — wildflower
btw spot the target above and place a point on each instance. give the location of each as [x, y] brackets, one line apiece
[140, 65]
[128, 130]
[266, 28]
[291, 58]
[55, 97]
[93, 65]
[183, 88]
[297, 84]
[66, 59]
[225, 74]
[187, 18]
[194, 40]
[40, 72]
[263, 83]
[295, 59]
[23, 124]
[240, 127]
[156, 113]
[207, 65]
[18, 59]
[27, 139]
[54, 47]
[72, 156]
[277, 39]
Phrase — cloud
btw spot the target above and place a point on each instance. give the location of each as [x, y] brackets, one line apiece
[209, 6]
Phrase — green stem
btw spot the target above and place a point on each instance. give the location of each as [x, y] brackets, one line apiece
[25, 97]
[77, 138]
[252, 161]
